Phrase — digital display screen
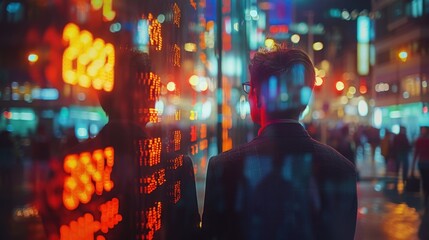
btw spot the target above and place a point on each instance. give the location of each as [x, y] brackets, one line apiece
[132, 179]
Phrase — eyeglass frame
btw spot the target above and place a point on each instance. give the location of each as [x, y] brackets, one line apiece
[246, 87]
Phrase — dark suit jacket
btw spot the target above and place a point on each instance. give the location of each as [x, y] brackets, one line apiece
[281, 185]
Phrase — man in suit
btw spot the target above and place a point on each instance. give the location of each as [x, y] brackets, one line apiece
[283, 184]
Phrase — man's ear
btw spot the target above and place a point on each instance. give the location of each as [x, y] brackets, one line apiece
[258, 96]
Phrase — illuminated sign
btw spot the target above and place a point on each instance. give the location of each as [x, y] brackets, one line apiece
[363, 33]
[87, 61]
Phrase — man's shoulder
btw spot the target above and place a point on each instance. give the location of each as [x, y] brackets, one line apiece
[332, 158]
[236, 153]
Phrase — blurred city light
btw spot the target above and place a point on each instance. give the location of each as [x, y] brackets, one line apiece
[190, 47]
[295, 38]
[32, 57]
[171, 86]
[13, 7]
[194, 80]
[339, 86]
[161, 18]
[317, 46]
[319, 81]
[269, 43]
[115, 27]
[362, 108]
[403, 56]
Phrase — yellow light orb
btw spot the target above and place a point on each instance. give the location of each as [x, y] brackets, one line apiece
[295, 38]
[171, 86]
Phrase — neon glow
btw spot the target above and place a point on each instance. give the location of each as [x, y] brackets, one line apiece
[86, 61]
[88, 174]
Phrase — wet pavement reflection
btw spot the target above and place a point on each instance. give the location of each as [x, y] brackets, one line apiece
[386, 210]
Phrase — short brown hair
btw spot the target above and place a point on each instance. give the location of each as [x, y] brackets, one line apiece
[286, 78]
[271, 63]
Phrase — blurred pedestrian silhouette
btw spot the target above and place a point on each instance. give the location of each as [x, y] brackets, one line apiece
[401, 151]
[154, 190]
[41, 144]
[283, 184]
[8, 166]
[373, 138]
[421, 157]
[386, 149]
[345, 144]
[424, 225]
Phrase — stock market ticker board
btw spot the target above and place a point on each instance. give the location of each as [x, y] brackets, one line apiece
[129, 181]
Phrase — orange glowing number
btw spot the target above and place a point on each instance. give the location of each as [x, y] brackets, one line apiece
[176, 162]
[155, 37]
[177, 192]
[89, 174]
[176, 56]
[86, 226]
[87, 61]
[177, 139]
[153, 181]
[177, 14]
[153, 217]
[152, 152]
[82, 228]
[109, 215]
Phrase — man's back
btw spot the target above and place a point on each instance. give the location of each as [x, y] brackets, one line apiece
[281, 185]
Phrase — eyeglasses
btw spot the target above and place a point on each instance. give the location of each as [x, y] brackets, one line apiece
[246, 87]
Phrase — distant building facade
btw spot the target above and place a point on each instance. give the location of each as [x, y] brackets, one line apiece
[401, 73]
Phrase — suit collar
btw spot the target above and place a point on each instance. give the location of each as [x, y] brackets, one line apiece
[291, 128]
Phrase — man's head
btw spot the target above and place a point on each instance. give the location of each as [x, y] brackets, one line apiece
[130, 92]
[281, 84]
